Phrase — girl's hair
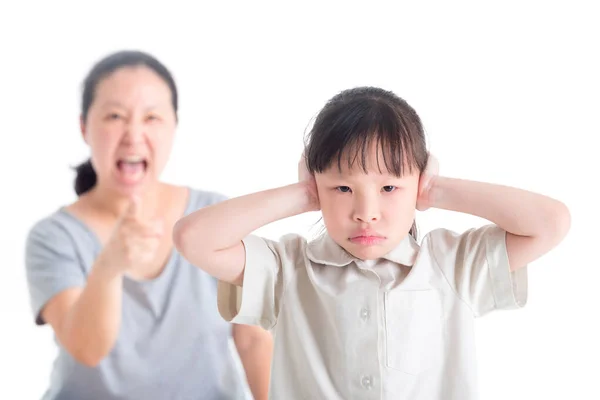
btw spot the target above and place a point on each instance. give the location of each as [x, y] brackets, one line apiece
[355, 118]
[86, 177]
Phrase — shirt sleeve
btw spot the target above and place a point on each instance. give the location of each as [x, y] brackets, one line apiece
[476, 266]
[51, 264]
[270, 265]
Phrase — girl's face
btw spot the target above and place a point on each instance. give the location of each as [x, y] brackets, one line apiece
[130, 128]
[368, 214]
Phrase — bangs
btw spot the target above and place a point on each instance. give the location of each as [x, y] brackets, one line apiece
[347, 135]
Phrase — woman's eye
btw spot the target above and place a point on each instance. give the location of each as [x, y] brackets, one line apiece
[113, 116]
[343, 189]
[152, 118]
[389, 188]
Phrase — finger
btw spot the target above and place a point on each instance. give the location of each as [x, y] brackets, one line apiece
[152, 229]
[303, 173]
[135, 208]
[433, 166]
[424, 181]
[146, 244]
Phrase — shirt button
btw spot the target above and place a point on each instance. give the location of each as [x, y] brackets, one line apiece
[364, 314]
[367, 382]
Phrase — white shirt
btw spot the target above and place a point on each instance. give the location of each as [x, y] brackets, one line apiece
[399, 329]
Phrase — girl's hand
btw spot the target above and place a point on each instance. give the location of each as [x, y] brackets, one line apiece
[308, 179]
[426, 182]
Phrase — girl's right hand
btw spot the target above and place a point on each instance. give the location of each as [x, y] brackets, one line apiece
[426, 182]
[134, 242]
[308, 179]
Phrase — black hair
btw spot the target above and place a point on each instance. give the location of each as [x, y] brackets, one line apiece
[86, 177]
[355, 118]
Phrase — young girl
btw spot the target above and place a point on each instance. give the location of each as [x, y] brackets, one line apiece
[364, 311]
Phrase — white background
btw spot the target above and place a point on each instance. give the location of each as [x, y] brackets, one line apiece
[509, 93]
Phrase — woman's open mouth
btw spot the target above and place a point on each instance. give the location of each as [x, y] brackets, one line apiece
[131, 169]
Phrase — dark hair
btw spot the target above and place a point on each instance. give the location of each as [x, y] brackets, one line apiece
[355, 118]
[86, 176]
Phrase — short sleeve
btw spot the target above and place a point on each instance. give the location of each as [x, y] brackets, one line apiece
[476, 265]
[270, 265]
[51, 264]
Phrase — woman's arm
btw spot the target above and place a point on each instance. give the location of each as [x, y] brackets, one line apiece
[255, 348]
[534, 223]
[86, 320]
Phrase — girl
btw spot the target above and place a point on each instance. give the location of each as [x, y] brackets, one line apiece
[364, 311]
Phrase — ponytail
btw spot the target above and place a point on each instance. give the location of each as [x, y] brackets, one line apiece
[86, 177]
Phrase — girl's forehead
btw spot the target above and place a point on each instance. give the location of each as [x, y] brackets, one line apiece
[372, 161]
[358, 172]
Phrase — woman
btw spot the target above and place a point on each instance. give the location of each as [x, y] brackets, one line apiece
[131, 317]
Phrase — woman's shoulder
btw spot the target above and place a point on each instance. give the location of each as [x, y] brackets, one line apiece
[58, 227]
[200, 197]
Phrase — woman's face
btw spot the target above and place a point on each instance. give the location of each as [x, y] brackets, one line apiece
[130, 129]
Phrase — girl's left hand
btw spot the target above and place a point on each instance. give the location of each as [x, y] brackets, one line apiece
[426, 182]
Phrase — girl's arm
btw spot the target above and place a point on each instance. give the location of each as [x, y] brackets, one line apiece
[211, 237]
[255, 348]
[534, 223]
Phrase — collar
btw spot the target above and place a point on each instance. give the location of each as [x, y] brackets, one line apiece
[324, 250]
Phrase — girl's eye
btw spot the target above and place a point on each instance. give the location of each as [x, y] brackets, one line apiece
[152, 118]
[113, 116]
[389, 188]
[343, 189]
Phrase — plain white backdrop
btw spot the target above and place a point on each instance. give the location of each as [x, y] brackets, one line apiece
[508, 93]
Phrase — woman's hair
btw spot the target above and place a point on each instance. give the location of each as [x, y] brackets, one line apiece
[354, 119]
[85, 175]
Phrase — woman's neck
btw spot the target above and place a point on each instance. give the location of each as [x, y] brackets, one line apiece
[112, 203]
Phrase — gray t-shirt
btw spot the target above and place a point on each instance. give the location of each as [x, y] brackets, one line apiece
[172, 344]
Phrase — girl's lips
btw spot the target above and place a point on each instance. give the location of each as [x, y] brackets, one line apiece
[367, 240]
